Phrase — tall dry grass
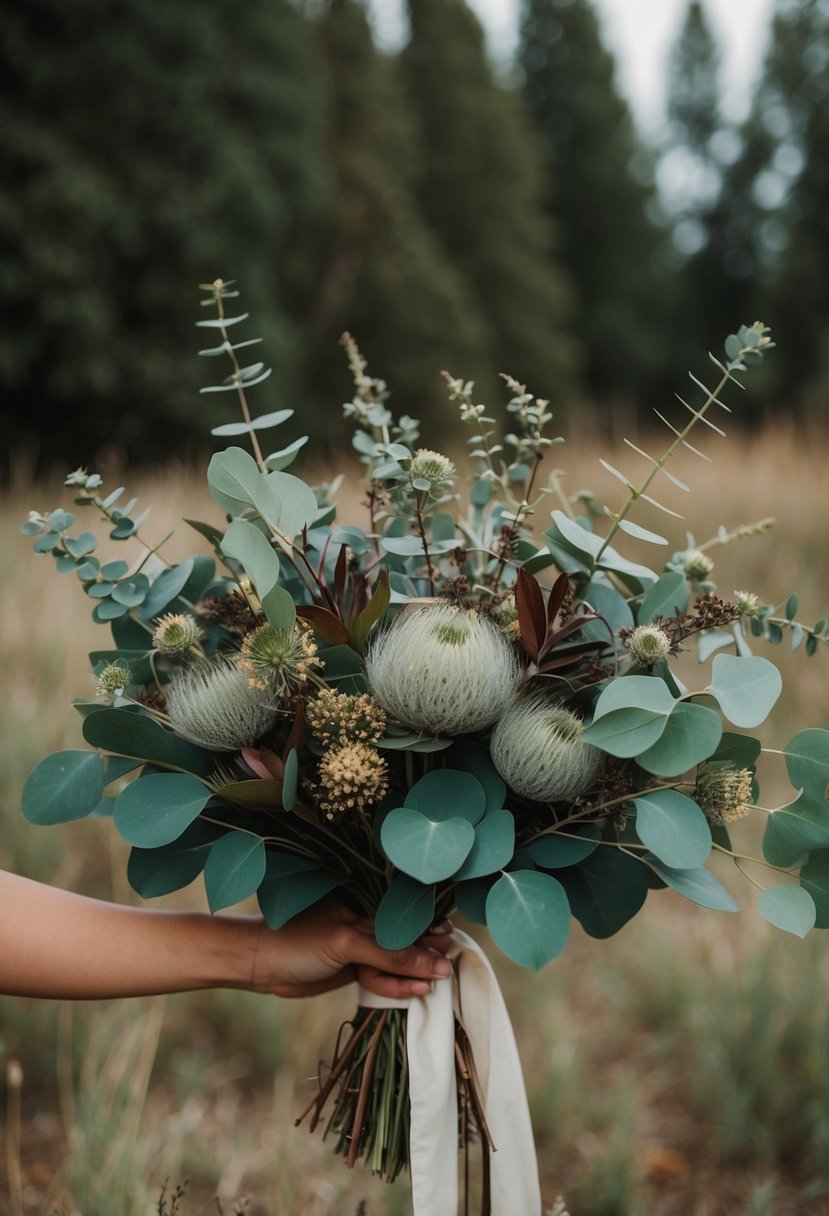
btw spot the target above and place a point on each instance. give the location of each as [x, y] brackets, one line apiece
[677, 1069]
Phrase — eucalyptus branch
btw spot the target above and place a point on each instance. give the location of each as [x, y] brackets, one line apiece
[218, 297]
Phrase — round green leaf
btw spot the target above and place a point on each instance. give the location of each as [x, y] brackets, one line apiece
[626, 732]
[234, 869]
[64, 786]
[470, 899]
[493, 847]
[807, 761]
[528, 916]
[284, 896]
[108, 610]
[794, 830]
[133, 734]
[554, 851]
[405, 911]
[245, 543]
[814, 878]
[475, 759]
[698, 884]
[132, 592]
[667, 596]
[446, 793]
[154, 872]
[746, 689]
[674, 828]
[299, 503]
[691, 735]
[788, 907]
[165, 589]
[606, 890]
[424, 848]
[155, 809]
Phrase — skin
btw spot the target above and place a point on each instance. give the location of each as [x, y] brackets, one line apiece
[67, 947]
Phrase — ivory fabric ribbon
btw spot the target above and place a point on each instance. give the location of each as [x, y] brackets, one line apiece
[475, 997]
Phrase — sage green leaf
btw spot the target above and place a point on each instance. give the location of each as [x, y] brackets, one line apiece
[493, 847]
[234, 869]
[108, 610]
[427, 849]
[610, 605]
[285, 456]
[65, 786]
[626, 732]
[237, 485]
[262, 423]
[794, 830]
[299, 504]
[154, 872]
[446, 793]
[132, 591]
[635, 692]
[156, 808]
[474, 758]
[412, 546]
[746, 689]
[807, 761]
[405, 911]
[554, 851]
[290, 780]
[165, 589]
[740, 750]
[814, 878]
[246, 544]
[788, 907]
[279, 607]
[528, 917]
[133, 734]
[137, 661]
[639, 533]
[285, 896]
[80, 546]
[674, 828]
[667, 596]
[691, 735]
[605, 890]
[697, 884]
[470, 899]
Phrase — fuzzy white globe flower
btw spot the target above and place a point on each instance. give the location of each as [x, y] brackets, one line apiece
[538, 749]
[212, 704]
[443, 671]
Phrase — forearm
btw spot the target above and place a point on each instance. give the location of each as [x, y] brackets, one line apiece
[56, 944]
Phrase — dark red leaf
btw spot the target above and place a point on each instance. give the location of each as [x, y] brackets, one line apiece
[556, 598]
[324, 623]
[532, 619]
[374, 610]
[340, 576]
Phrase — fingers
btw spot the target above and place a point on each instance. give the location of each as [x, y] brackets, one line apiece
[396, 987]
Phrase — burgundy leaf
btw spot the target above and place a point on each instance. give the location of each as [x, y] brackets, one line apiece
[556, 599]
[324, 623]
[532, 620]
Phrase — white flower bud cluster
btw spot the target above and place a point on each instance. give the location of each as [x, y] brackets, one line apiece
[443, 671]
[538, 749]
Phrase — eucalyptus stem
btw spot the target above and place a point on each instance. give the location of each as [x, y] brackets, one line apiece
[237, 373]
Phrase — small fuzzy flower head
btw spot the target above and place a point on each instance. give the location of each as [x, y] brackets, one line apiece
[698, 565]
[648, 644]
[505, 617]
[176, 634]
[746, 603]
[430, 467]
[443, 671]
[278, 660]
[724, 792]
[337, 718]
[352, 776]
[110, 680]
[538, 749]
[213, 704]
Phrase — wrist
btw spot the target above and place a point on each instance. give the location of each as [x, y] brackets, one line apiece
[231, 959]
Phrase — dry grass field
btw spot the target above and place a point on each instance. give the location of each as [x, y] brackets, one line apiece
[679, 1069]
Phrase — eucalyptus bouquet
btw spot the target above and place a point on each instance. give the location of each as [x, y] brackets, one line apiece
[462, 702]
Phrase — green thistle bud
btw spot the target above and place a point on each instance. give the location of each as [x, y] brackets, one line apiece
[176, 634]
[278, 660]
[538, 749]
[213, 704]
[443, 671]
[724, 792]
[648, 644]
[698, 565]
[110, 680]
[746, 603]
[430, 467]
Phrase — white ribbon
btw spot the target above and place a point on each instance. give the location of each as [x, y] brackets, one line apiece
[475, 997]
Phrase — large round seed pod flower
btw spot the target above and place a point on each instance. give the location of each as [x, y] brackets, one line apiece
[538, 749]
[213, 704]
[443, 670]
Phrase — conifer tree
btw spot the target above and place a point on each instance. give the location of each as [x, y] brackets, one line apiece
[376, 269]
[151, 147]
[601, 193]
[482, 192]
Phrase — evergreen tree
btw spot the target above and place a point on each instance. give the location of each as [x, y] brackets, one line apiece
[151, 147]
[482, 193]
[376, 269]
[602, 194]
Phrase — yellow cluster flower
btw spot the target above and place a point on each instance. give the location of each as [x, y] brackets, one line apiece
[352, 776]
[278, 660]
[337, 718]
[724, 792]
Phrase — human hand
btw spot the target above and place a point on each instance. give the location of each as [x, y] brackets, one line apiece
[329, 946]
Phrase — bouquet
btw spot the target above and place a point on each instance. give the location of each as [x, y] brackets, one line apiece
[461, 702]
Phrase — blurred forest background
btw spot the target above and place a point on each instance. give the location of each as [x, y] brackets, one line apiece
[449, 214]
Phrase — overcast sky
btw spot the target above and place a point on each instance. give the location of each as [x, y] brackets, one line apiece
[640, 34]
